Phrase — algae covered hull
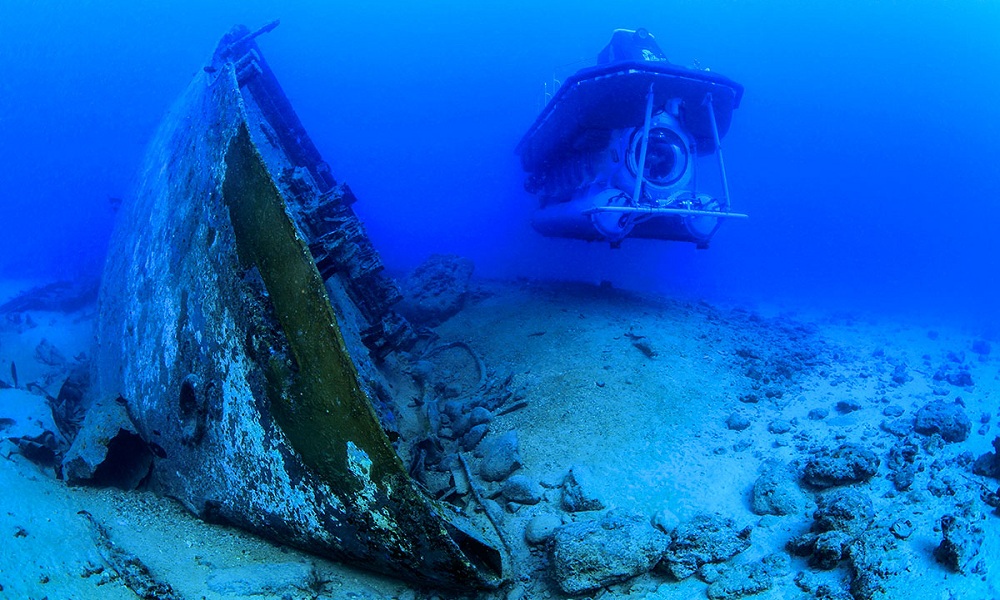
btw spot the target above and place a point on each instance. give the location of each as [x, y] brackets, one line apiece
[243, 316]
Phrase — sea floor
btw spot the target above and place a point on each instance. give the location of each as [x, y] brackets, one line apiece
[673, 406]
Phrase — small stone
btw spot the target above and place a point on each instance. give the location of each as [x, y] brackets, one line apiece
[522, 490]
[893, 411]
[902, 528]
[779, 426]
[897, 427]
[579, 491]
[475, 435]
[818, 414]
[665, 520]
[743, 580]
[479, 416]
[737, 422]
[847, 406]
[541, 528]
[501, 458]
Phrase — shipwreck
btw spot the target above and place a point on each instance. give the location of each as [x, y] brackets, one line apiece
[246, 344]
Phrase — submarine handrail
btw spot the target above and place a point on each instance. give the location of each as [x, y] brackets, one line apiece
[640, 167]
[652, 210]
[718, 151]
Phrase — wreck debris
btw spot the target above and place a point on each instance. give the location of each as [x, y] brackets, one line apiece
[134, 574]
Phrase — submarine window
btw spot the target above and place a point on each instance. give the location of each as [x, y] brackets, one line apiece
[666, 157]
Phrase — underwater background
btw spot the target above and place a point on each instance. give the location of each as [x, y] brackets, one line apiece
[865, 148]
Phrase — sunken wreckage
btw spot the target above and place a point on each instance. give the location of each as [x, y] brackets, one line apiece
[244, 331]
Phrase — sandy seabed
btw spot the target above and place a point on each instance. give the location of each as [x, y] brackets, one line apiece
[640, 389]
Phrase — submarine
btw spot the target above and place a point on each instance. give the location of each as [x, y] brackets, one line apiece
[631, 147]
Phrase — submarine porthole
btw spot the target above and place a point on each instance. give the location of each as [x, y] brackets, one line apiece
[666, 156]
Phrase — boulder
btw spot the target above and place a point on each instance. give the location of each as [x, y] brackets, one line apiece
[775, 491]
[873, 558]
[846, 510]
[707, 538]
[849, 463]
[589, 555]
[948, 420]
[436, 290]
[963, 537]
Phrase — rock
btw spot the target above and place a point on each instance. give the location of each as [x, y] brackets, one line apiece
[737, 422]
[961, 378]
[900, 376]
[541, 528]
[436, 290]
[849, 463]
[963, 537]
[744, 580]
[500, 458]
[989, 463]
[846, 510]
[775, 491]
[901, 528]
[665, 520]
[981, 347]
[847, 406]
[522, 490]
[475, 435]
[949, 420]
[589, 555]
[480, 415]
[779, 426]
[828, 549]
[893, 411]
[897, 427]
[108, 449]
[818, 414]
[579, 491]
[707, 538]
[873, 558]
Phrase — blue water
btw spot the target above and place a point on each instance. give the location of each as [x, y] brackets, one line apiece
[865, 149]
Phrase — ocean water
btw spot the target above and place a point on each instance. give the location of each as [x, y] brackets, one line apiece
[865, 149]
